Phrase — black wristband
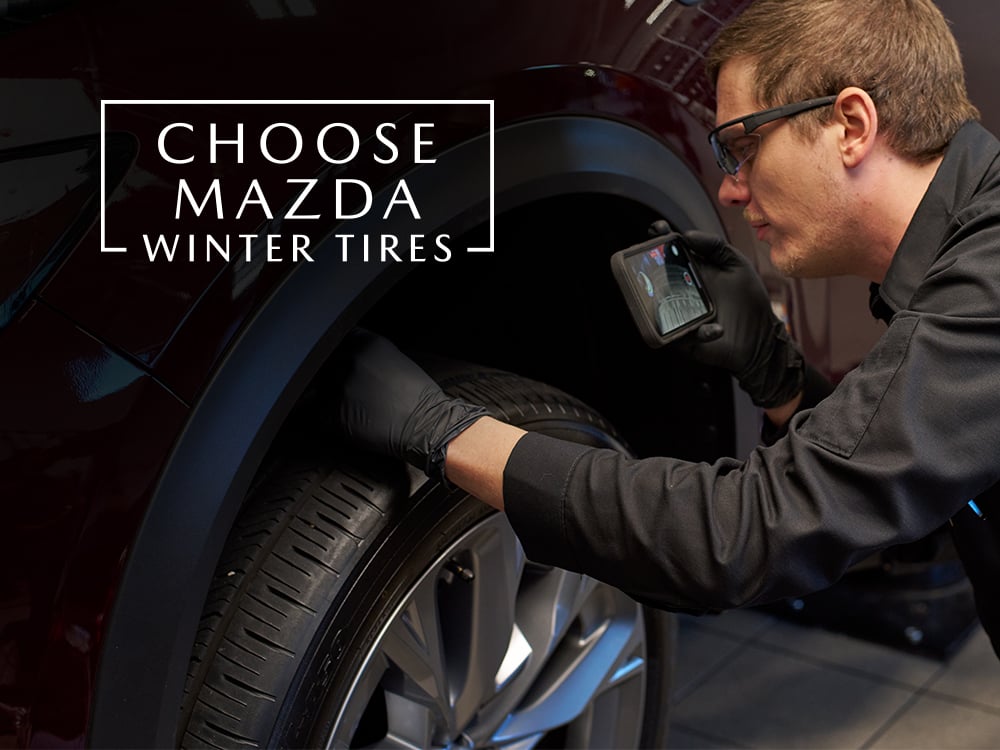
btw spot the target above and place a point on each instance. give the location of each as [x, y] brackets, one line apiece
[438, 453]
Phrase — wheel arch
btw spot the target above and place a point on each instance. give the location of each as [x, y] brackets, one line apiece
[148, 639]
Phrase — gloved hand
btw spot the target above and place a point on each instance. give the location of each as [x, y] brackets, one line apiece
[746, 338]
[389, 405]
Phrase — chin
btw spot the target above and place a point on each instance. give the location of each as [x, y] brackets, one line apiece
[785, 262]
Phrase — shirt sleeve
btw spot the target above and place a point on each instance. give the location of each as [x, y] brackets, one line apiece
[899, 446]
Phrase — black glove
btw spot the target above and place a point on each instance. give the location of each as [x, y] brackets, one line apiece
[746, 338]
[389, 405]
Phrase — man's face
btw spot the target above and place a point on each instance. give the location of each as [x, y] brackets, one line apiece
[789, 189]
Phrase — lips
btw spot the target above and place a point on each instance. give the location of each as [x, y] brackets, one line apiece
[757, 222]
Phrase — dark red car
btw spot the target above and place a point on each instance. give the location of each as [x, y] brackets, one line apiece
[188, 557]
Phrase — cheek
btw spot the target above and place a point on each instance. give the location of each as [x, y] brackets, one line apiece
[769, 187]
[788, 202]
[784, 187]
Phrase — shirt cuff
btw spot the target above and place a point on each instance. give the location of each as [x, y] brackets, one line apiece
[534, 487]
[815, 388]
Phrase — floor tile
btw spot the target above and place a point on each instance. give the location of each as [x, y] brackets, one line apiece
[699, 652]
[682, 739]
[762, 699]
[742, 624]
[973, 674]
[936, 724]
[869, 658]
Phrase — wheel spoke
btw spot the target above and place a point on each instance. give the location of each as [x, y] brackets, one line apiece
[586, 664]
[411, 724]
[547, 608]
[361, 693]
[614, 718]
[547, 605]
[482, 608]
[413, 644]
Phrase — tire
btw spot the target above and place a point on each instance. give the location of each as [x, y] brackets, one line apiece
[357, 604]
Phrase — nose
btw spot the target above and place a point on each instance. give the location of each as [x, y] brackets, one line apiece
[734, 192]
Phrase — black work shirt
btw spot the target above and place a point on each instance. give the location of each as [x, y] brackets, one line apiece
[897, 449]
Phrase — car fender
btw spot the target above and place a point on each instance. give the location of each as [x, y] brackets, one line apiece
[277, 354]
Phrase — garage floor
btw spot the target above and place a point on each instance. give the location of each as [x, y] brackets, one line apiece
[750, 680]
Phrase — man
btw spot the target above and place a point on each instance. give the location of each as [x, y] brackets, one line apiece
[848, 140]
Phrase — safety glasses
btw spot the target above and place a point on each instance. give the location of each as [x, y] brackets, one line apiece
[733, 151]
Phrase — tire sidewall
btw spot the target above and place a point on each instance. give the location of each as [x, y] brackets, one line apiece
[379, 583]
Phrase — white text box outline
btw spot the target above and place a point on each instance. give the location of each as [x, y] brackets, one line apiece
[142, 102]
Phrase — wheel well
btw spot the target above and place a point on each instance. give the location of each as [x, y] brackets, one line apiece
[545, 305]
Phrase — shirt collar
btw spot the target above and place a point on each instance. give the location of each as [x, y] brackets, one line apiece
[967, 159]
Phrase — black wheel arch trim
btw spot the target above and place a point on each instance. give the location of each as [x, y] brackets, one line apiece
[147, 644]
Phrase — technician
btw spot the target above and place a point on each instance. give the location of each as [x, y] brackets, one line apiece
[848, 139]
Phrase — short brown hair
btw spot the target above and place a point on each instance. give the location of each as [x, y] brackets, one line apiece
[901, 52]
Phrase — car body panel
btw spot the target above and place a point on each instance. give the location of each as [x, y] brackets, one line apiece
[85, 434]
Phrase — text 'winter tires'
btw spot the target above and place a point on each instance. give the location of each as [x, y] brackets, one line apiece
[358, 605]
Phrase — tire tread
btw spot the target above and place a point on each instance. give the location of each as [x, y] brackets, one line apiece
[294, 546]
[295, 535]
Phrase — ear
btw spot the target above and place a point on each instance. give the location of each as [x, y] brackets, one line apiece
[857, 121]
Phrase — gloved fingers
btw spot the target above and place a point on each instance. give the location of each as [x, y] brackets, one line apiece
[345, 363]
[712, 249]
[362, 344]
[708, 332]
[353, 353]
[692, 345]
[347, 412]
[375, 391]
[352, 368]
[388, 404]
[356, 340]
[658, 227]
[371, 355]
